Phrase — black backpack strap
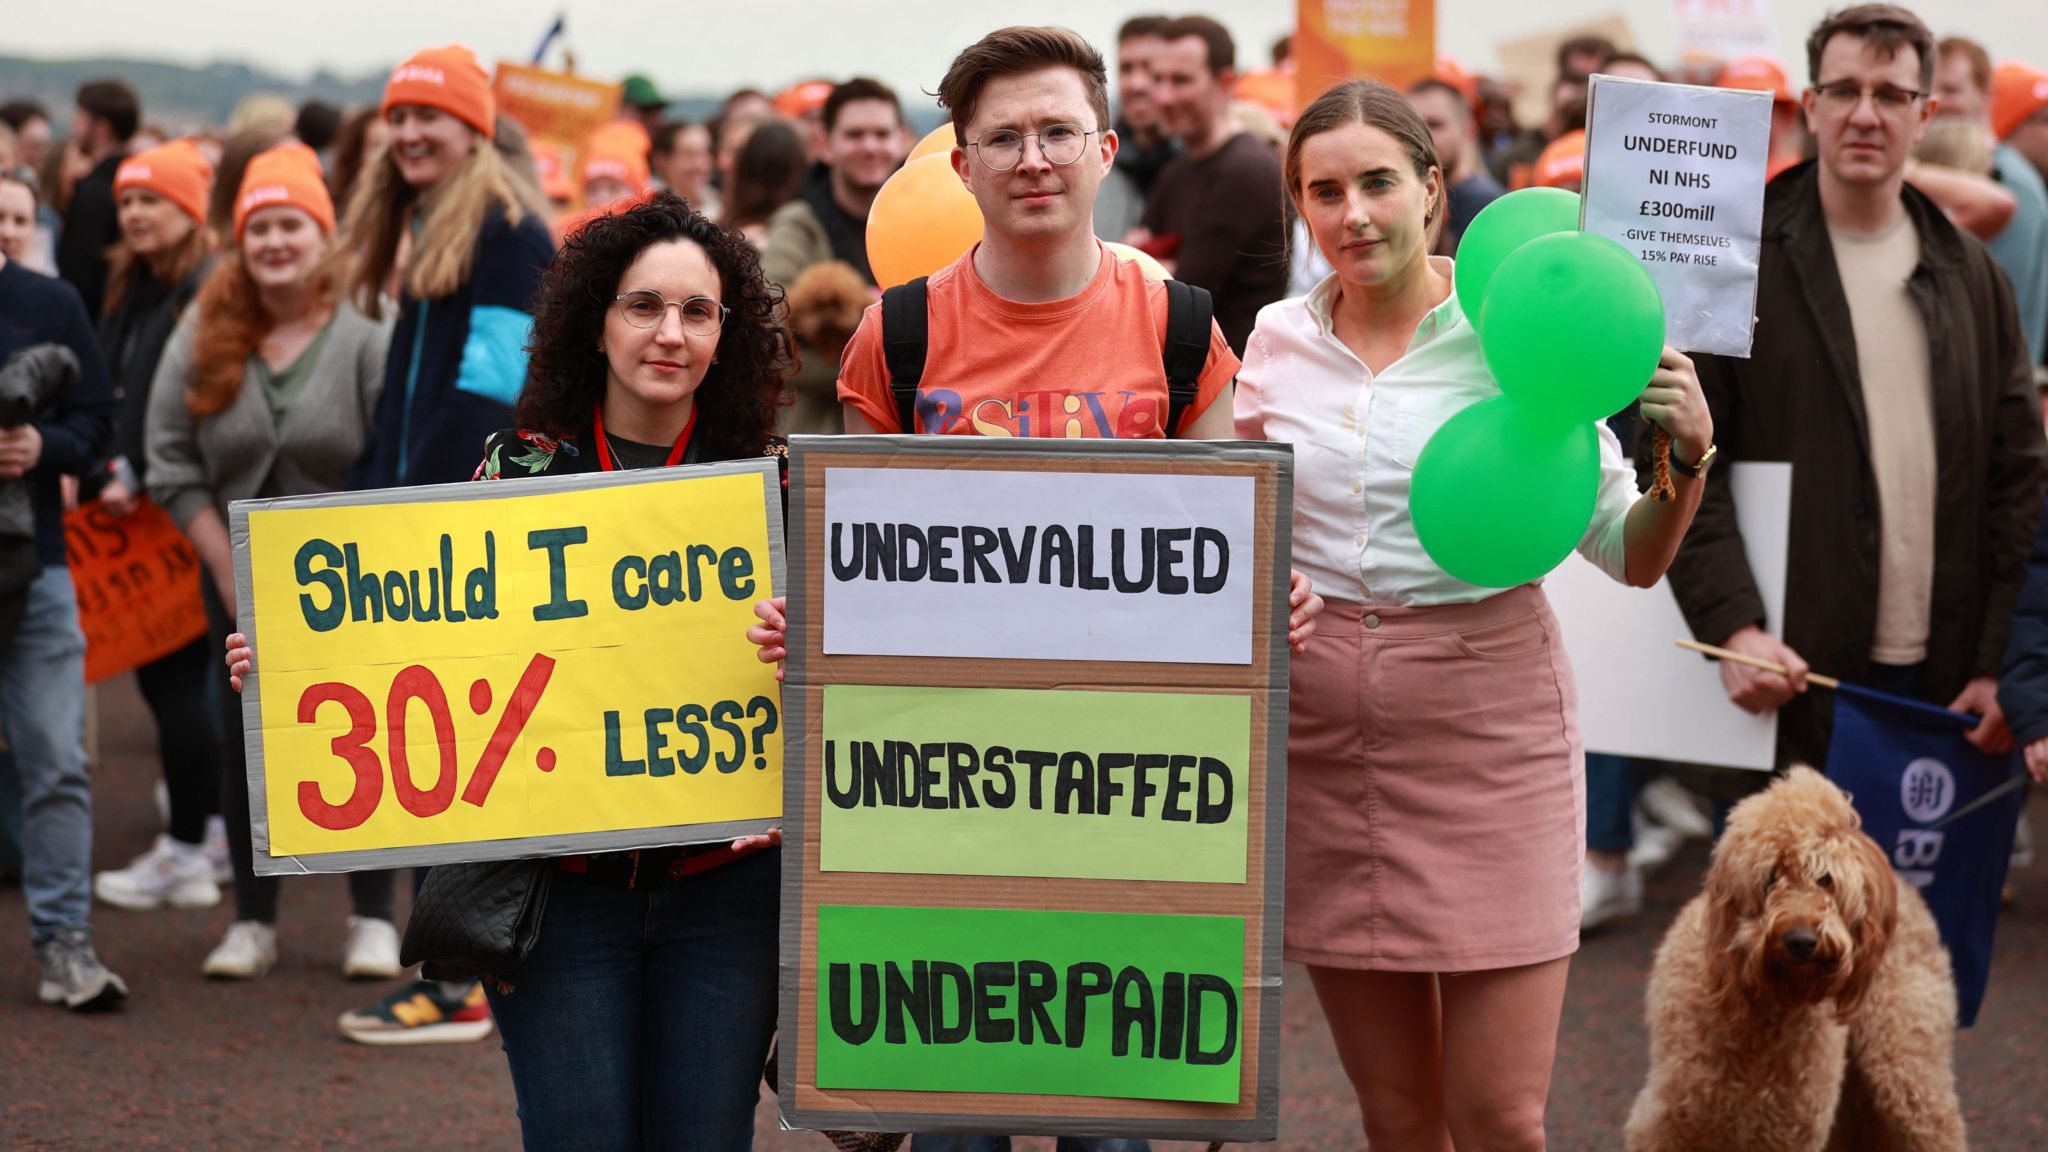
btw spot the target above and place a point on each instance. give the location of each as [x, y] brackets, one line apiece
[1189, 312]
[906, 335]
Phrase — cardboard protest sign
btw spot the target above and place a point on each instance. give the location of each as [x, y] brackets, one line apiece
[1676, 173]
[1393, 41]
[557, 106]
[514, 668]
[1723, 29]
[1033, 829]
[137, 581]
[1528, 64]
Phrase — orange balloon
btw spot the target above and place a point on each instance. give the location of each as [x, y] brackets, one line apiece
[923, 219]
[937, 142]
[1145, 262]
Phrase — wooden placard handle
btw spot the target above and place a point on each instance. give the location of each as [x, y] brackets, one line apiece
[1767, 665]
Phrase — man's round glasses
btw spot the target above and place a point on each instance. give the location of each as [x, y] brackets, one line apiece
[1003, 149]
[1842, 97]
[644, 309]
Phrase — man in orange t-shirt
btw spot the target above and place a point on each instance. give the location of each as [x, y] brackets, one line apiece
[1038, 330]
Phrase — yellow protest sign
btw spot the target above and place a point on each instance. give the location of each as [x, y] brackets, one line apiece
[524, 667]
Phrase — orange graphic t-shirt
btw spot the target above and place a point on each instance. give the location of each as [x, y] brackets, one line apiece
[1087, 367]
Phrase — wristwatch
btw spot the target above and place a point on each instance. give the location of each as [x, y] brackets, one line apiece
[1696, 470]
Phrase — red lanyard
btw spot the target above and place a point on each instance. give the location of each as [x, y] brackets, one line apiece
[675, 454]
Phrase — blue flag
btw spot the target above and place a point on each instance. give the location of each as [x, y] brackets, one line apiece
[1907, 767]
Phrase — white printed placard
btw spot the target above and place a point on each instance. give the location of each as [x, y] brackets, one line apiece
[1039, 565]
[1676, 174]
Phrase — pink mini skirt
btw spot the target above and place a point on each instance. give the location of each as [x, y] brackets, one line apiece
[1436, 789]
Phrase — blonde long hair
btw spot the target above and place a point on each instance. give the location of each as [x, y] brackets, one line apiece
[453, 214]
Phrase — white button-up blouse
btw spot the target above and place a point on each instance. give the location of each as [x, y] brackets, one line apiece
[1356, 436]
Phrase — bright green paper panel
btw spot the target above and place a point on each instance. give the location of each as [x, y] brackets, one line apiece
[942, 1000]
[957, 781]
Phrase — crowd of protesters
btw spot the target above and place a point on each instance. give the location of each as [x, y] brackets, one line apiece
[312, 300]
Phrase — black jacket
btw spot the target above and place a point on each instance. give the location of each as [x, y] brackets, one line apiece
[132, 337]
[37, 309]
[1799, 398]
[91, 225]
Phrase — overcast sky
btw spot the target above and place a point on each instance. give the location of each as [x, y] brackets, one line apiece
[706, 46]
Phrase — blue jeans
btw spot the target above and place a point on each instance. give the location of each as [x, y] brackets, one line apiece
[42, 705]
[641, 1019]
[1610, 803]
[1002, 1144]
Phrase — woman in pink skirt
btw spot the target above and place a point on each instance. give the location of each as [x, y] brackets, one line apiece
[1436, 806]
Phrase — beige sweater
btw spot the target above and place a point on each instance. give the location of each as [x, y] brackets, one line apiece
[242, 452]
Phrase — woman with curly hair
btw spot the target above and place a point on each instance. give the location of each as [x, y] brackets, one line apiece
[266, 389]
[642, 1016]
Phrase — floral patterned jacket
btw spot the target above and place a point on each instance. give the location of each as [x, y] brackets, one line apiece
[519, 453]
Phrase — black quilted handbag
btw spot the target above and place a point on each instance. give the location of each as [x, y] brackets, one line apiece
[472, 919]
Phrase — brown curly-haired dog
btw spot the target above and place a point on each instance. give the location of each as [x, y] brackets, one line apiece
[1803, 1001]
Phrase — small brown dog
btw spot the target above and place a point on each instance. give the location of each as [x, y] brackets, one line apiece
[825, 306]
[1803, 1001]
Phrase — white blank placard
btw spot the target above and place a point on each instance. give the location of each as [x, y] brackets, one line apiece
[1639, 693]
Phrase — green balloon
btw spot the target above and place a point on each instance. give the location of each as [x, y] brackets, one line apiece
[1501, 496]
[1573, 327]
[1499, 229]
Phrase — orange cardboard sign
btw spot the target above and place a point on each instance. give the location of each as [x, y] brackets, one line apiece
[554, 106]
[137, 579]
[1336, 40]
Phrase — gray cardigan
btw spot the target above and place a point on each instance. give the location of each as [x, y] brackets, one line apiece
[242, 451]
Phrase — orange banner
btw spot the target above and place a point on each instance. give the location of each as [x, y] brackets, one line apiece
[138, 586]
[554, 106]
[1389, 40]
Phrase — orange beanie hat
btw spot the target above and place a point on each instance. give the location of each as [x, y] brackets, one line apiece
[288, 174]
[447, 78]
[2017, 92]
[177, 171]
[617, 151]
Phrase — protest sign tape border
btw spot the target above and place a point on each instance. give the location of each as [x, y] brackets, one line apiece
[509, 849]
[1262, 1124]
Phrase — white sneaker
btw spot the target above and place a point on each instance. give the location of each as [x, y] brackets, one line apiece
[372, 950]
[1668, 803]
[1608, 896]
[1655, 845]
[2022, 845]
[246, 952]
[216, 846]
[170, 873]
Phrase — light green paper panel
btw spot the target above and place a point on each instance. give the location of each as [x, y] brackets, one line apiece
[1153, 946]
[1021, 840]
